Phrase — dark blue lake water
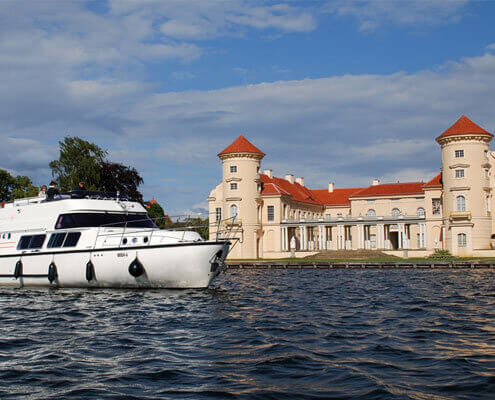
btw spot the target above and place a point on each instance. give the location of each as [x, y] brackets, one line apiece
[257, 335]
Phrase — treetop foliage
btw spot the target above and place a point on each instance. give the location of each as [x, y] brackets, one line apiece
[82, 161]
[79, 161]
[18, 187]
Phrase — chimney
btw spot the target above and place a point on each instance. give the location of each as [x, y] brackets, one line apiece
[268, 172]
[330, 187]
[300, 180]
[376, 182]
[289, 178]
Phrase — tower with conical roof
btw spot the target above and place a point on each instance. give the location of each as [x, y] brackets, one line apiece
[467, 222]
[237, 199]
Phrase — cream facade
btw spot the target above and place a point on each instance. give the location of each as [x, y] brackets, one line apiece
[273, 217]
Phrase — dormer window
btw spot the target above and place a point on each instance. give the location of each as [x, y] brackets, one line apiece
[459, 153]
[233, 169]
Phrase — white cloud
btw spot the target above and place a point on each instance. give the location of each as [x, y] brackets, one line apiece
[409, 175]
[371, 14]
[61, 73]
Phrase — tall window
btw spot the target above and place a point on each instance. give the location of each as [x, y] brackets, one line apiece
[435, 205]
[420, 212]
[233, 168]
[459, 153]
[461, 203]
[271, 213]
[371, 213]
[233, 211]
[459, 173]
[233, 186]
[461, 240]
[218, 214]
[395, 212]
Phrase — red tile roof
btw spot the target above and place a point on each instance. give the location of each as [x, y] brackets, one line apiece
[339, 197]
[298, 192]
[464, 126]
[241, 145]
[435, 182]
[391, 189]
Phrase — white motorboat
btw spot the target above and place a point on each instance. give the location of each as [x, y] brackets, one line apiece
[99, 240]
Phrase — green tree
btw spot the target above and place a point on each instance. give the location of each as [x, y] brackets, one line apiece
[79, 160]
[23, 187]
[115, 177]
[157, 214]
[196, 224]
[7, 182]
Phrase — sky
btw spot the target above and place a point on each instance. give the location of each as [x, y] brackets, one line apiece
[334, 91]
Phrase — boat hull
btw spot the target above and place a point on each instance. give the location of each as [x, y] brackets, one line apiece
[171, 266]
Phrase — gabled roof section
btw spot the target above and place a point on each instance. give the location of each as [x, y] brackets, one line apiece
[339, 197]
[391, 189]
[241, 145]
[279, 186]
[464, 126]
[435, 182]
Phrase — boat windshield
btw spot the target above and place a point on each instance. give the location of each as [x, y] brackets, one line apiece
[90, 220]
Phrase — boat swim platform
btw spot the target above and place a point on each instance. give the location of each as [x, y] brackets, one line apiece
[250, 265]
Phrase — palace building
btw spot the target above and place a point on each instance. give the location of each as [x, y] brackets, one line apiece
[269, 215]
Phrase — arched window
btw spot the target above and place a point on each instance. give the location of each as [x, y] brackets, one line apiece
[286, 211]
[233, 211]
[371, 213]
[420, 212]
[461, 240]
[395, 212]
[461, 203]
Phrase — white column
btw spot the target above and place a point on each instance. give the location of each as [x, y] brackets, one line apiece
[360, 229]
[301, 238]
[401, 236]
[305, 238]
[324, 238]
[380, 237]
[340, 239]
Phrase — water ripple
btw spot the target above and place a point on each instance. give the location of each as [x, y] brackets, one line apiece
[257, 335]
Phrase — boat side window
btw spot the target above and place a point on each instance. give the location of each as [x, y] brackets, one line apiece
[72, 239]
[64, 239]
[56, 240]
[31, 242]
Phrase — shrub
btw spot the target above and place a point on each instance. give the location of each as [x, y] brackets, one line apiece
[441, 255]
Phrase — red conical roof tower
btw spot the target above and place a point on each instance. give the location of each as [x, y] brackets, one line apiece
[241, 145]
[464, 126]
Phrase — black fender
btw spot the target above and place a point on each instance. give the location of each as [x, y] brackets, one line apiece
[90, 271]
[52, 272]
[18, 269]
[136, 269]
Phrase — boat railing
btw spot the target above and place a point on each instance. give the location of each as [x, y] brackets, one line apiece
[182, 223]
